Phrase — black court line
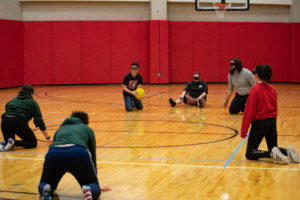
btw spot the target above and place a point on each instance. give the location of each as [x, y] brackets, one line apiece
[164, 146]
[166, 132]
[48, 97]
[6, 198]
[56, 196]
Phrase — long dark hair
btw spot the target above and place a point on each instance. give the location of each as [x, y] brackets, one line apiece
[237, 64]
[264, 72]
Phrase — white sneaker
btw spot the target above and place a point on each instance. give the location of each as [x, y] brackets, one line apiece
[279, 158]
[10, 144]
[87, 192]
[2, 145]
[46, 192]
[292, 154]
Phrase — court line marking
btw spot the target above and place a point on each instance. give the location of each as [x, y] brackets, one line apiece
[149, 158]
[170, 165]
[235, 151]
[197, 166]
[175, 114]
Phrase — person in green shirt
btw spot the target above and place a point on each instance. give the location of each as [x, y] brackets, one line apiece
[18, 112]
[73, 150]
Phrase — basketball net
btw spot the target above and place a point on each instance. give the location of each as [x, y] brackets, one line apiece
[220, 9]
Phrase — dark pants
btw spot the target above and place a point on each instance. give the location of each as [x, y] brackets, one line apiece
[187, 99]
[238, 104]
[75, 160]
[14, 125]
[265, 128]
[131, 102]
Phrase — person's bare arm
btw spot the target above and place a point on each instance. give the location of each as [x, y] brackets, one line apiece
[45, 133]
[201, 96]
[228, 95]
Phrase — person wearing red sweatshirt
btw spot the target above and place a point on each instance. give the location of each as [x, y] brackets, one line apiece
[261, 113]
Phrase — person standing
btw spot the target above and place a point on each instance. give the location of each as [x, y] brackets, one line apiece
[261, 112]
[18, 112]
[131, 82]
[73, 150]
[195, 93]
[242, 80]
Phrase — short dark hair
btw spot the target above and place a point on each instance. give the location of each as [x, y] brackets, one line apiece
[28, 88]
[264, 72]
[135, 64]
[238, 64]
[81, 115]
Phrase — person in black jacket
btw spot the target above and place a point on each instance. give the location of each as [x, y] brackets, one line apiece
[195, 93]
[18, 112]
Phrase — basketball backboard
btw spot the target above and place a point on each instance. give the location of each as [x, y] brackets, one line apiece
[213, 5]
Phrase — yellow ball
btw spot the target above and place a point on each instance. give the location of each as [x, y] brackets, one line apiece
[140, 93]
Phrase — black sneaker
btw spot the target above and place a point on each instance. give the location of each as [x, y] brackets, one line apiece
[199, 103]
[173, 103]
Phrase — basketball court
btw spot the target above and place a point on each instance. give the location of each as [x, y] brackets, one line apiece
[77, 52]
[161, 152]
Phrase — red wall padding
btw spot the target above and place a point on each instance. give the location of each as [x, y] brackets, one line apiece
[206, 51]
[268, 43]
[67, 53]
[90, 52]
[96, 54]
[164, 52]
[294, 72]
[154, 51]
[180, 51]
[231, 44]
[207, 47]
[128, 44]
[11, 53]
[38, 53]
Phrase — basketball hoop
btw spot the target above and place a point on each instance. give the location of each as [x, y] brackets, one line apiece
[220, 9]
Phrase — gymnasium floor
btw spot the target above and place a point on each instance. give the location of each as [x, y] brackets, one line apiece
[160, 153]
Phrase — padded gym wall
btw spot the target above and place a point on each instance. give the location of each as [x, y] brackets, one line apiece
[11, 53]
[72, 52]
[91, 52]
[207, 47]
[294, 65]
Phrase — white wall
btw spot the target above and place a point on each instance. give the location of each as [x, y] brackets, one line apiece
[257, 13]
[37, 11]
[10, 9]
[295, 11]
[176, 10]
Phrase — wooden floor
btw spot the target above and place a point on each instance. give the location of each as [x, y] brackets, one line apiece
[160, 153]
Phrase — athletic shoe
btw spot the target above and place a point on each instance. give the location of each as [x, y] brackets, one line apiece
[279, 158]
[173, 103]
[2, 145]
[199, 103]
[10, 144]
[46, 195]
[292, 154]
[87, 192]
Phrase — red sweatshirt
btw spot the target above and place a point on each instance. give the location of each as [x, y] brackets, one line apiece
[261, 104]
